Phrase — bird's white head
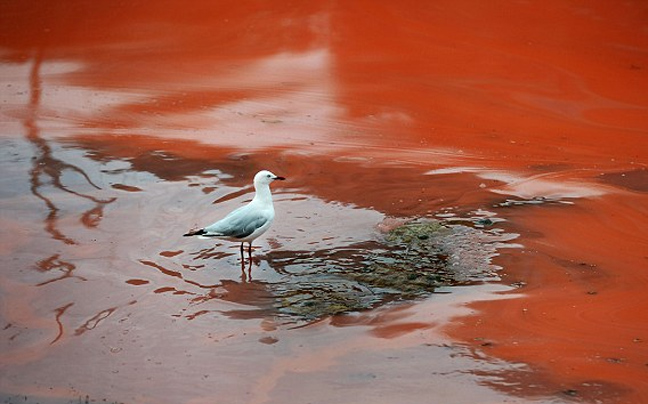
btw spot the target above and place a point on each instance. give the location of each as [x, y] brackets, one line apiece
[265, 177]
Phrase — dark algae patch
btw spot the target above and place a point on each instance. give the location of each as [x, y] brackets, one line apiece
[408, 262]
[412, 262]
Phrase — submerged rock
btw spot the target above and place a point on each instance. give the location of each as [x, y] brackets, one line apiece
[411, 263]
[408, 262]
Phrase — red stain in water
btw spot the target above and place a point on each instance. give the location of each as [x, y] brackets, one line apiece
[555, 93]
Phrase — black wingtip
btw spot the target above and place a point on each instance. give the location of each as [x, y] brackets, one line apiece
[198, 232]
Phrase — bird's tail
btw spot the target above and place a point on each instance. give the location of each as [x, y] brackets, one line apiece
[199, 232]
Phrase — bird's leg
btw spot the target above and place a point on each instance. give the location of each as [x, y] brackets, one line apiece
[249, 272]
[243, 275]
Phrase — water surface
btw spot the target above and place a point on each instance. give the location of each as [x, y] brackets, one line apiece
[125, 125]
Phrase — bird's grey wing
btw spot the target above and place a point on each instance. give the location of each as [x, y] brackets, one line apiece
[220, 228]
[237, 225]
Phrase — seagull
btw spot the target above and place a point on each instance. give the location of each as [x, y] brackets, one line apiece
[248, 222]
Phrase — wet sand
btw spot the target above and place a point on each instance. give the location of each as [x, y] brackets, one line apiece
[123, 126]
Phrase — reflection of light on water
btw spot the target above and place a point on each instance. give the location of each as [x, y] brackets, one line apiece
[286, 98]
[553, 185]
[64, 108]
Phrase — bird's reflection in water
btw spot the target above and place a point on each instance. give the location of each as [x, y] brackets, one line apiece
[214, 253]
[255, 294]
[227, 281]
[246, 277]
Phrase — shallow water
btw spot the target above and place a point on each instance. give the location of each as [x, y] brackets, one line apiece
[125, 125]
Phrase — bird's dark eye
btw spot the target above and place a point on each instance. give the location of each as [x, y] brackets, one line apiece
[269, 176]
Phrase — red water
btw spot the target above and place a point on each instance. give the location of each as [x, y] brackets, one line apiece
[123, 123]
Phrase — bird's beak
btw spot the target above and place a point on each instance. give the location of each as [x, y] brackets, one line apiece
[279, 178]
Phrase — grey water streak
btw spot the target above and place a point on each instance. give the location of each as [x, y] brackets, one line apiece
[55, 263]
[59, 313]
[47, 170]
[45, 164]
